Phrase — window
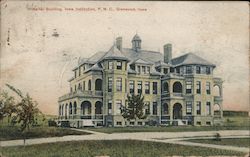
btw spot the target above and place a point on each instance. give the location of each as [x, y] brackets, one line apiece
[83, 85]
[110, 107]
[188, 87]
[188, 70]
[165, 87]
[75, 74]
[198, 108]
[147, 107]
[154, 108]
[119, 65]
[110, 84]
[198, 88]
[171, 69]
[208, 108]
[139, 123]
[118, 106]
[208, 123]
[110, 65]
[165, 70]
[139, 69]
[132, 87]
[147, 87]
[178, 70]
[79, 86]
[143, 69]
[139, 87]
[208, 88]
[131, 123]
[80, 71]
[198, 69]
[198, 123]
[147, 70]
[71, 90]
[154, 87]
[208, 70]
[89, 85]
[75, 87]
[189, 108]
[119, 84]
[118, 123]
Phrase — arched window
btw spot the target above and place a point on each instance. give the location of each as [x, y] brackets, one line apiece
[86, 108]
[177, 87]
[60, 110]
[75, 107]
[165, 108]
[98, 107]
[216, 90]
[66, 110]
[89, 85]
[165, 87]
[217, 109]
[98, 84]
[70, 108]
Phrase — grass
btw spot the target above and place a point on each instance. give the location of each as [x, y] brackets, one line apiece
[240, 142]
[114, 148]
[230, 123]
[13, 132]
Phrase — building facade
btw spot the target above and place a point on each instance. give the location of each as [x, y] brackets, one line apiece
[181, 89]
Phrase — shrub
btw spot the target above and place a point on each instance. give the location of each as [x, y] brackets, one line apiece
[217, 137]
[52, 123]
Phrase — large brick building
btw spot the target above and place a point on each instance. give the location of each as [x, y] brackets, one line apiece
[174, 89]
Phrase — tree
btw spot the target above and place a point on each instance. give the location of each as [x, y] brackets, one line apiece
[134, 108]
[26, 109]
[7, 106]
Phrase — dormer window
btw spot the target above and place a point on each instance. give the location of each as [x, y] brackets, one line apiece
[188, 70]
[198, 69]
[165, 70]
[147, 70]
[119, 65]
[139, 69]
[75, 74]
[208, 70]
[143, 69]
[110, 64]
[178, 70]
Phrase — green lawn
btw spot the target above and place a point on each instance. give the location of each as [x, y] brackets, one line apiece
[230, 123]
[240, 142]
[12, 132]
[114, 148]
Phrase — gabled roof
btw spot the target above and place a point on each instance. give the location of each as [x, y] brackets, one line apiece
[113, 53]
[189, 59]
[95, 67]
[161, 63]
[141, 61]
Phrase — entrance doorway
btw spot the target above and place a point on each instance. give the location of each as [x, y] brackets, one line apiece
[177, 111]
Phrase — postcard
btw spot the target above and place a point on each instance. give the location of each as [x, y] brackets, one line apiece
[124, 78]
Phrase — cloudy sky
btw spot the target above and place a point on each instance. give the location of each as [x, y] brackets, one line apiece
[42, 41]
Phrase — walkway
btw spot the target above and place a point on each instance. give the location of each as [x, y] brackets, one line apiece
[163, 137]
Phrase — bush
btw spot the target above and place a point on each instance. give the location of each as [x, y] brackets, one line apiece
[217, 137]
[65, 124]
[52, 123]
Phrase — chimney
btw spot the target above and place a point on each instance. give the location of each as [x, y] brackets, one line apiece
[119, 43]
[167, 53]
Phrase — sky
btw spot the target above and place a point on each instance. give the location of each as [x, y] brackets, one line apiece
[41, 41]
